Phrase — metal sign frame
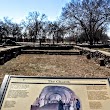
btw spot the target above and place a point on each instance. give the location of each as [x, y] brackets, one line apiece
[7, 79]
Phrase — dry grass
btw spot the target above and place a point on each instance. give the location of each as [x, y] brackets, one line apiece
[53, 65]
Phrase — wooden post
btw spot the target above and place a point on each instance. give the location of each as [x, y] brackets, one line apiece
[88, 56]
[102, 62]
[80, 52]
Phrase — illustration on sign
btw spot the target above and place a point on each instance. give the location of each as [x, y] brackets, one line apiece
[56, 98]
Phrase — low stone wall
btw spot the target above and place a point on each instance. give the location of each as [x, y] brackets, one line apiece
[51, 52]
[102, 57]
[7, 53]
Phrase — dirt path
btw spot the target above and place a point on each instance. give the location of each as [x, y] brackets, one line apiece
[53, 65]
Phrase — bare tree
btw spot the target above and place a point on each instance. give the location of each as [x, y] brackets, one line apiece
[89, 15]
[10, 28]
[56, 30]
[4, 28]
[34, 24]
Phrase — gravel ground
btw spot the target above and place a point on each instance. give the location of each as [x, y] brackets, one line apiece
[53, 65]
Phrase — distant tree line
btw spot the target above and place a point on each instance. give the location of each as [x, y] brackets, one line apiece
[80, 21]
[8, 28]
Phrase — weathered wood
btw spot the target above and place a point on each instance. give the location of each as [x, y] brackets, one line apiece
[88, 56]
[102, 62]
[80, 52]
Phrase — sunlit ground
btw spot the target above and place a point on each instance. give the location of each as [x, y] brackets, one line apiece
[53, 65]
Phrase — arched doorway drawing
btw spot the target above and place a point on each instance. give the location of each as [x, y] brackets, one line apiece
[56, 96]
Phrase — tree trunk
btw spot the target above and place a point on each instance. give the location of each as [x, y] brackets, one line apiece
[53, 40]
[57, 40]
[91, 42]
[40, 42]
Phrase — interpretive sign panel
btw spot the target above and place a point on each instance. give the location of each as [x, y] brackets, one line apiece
[39, 93]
